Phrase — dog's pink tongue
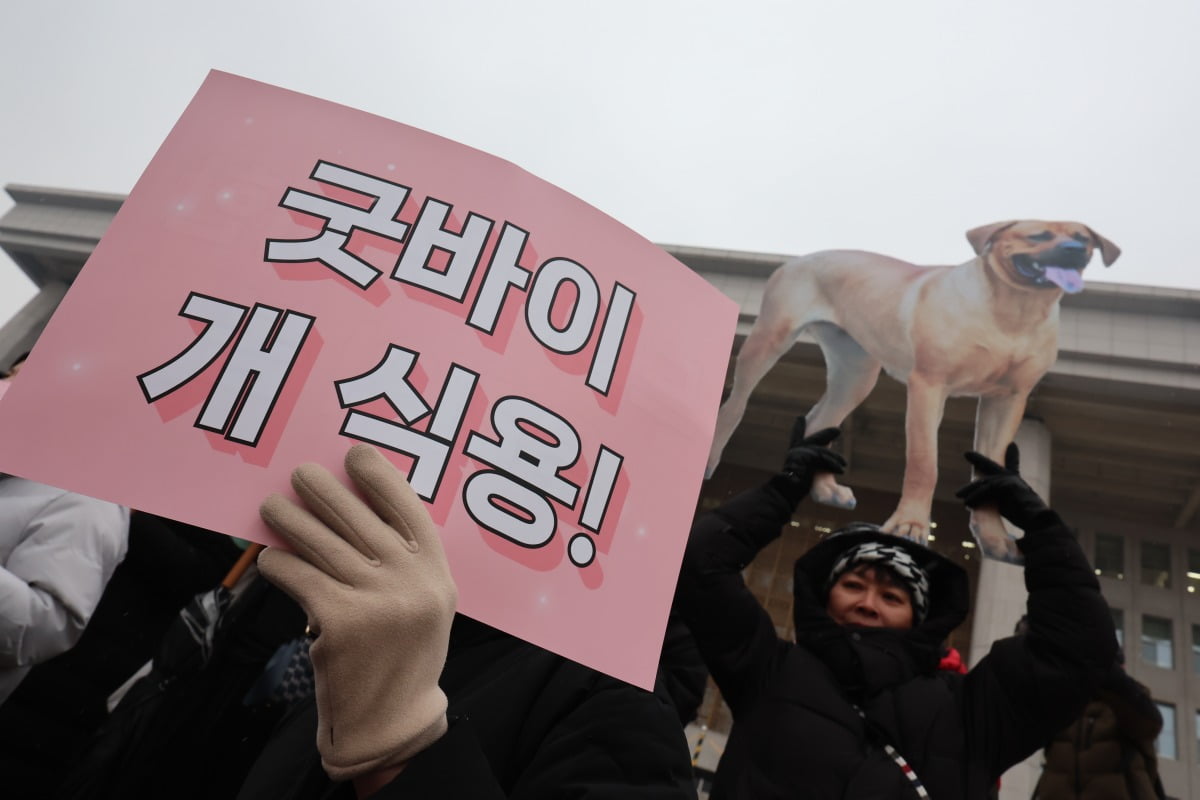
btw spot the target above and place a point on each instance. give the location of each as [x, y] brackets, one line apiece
[1070, 280]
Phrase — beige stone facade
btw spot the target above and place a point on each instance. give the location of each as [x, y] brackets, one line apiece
[1113, 432]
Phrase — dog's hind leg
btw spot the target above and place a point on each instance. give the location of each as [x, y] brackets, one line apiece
[850, 375]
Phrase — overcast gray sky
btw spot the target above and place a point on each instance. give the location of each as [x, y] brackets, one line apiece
[780, 127]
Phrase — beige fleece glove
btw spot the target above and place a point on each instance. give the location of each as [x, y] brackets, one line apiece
[375, 584]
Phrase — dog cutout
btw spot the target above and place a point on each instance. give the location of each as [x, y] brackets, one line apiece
[987, 328]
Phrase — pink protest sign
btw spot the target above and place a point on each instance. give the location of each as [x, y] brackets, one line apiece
[290, 276]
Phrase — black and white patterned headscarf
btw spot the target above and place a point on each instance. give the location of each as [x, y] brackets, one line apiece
[895, 559]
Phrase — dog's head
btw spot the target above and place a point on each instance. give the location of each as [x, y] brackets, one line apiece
[1040, 255]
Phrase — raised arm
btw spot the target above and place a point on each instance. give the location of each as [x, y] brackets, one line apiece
[372, 577]
[374, 582]
[1028, 687]
[735, 634]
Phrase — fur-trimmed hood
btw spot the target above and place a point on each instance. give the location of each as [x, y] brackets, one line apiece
[867, 659]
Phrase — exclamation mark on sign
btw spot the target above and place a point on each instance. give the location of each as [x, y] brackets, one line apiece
[582, 548]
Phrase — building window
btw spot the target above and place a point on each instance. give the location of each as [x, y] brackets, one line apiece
[1196, 650]
[1156, 565]
[1165, 744]
[1193, 570]
[1119, 623]
[1157, 647]
[1110, 556]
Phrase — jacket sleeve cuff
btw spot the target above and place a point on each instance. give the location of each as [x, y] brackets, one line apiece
[453, 766]
[1045, 530]
[790, 487]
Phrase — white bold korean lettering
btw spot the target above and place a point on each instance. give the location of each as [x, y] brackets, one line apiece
[534, 445]
[431, 448]
[222, 320]
[503, 271]
[612, 338]
[509, 509]
[254, 375]
[544, 296]
[342, 219]
[429, 235]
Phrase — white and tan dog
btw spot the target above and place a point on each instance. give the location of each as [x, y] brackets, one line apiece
[986, 328]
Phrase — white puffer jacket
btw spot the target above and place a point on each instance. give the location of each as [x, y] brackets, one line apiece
[57, 551]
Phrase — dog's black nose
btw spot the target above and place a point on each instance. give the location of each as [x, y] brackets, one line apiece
[1071, 254]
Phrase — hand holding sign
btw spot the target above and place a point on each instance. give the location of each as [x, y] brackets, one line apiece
[375, 584]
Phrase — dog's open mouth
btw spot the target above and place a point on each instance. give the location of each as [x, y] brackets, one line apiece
[1069, 279]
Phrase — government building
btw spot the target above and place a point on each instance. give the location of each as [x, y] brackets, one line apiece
[1111, 437]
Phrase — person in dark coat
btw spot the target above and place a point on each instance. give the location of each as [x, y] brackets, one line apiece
[1109, 751]
[856, 706]
[413, 700]
[523, 723]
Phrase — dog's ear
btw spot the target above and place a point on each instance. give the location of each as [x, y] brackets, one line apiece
[1108, 251]
[980, 237]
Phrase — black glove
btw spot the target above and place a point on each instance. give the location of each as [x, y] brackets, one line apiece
[805, 459]
[1004, 488]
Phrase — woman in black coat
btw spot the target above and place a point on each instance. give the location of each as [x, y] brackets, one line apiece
[856, 706]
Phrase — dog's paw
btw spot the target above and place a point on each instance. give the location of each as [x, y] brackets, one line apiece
[902, 524]
[993, 537]
[827, 490]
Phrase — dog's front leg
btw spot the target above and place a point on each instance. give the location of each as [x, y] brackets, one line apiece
[996, 423]
[768, 340]
[926, 400]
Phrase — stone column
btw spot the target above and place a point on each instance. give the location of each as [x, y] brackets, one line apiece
[1000, 596]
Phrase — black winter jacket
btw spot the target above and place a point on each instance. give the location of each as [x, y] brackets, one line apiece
[796, 731]
[525, 723]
